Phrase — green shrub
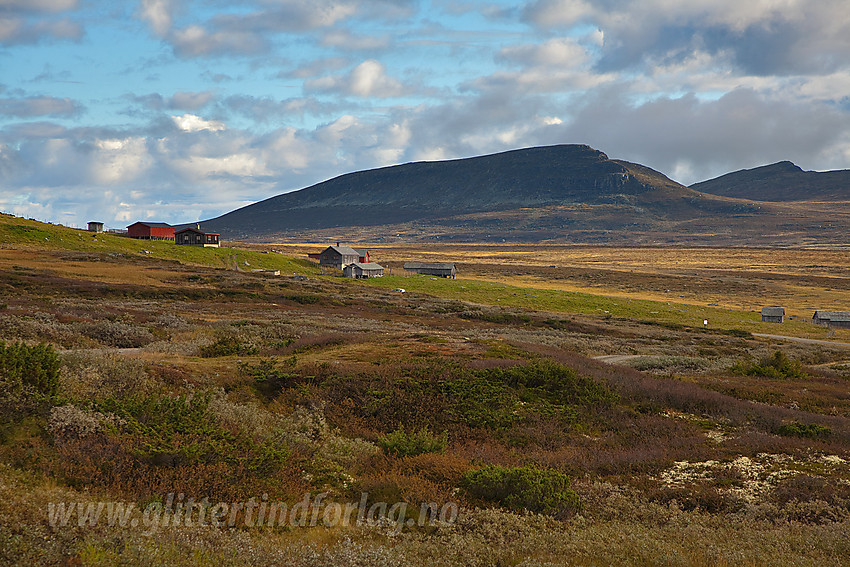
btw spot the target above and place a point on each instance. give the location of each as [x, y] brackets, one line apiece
[810, 430]
[227, 345]
[552, 382]
[270, 378]
[29, 369]
[409, 444]
[776, 366]
[545, 491]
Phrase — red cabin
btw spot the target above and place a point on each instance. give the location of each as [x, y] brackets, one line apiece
[151, 231]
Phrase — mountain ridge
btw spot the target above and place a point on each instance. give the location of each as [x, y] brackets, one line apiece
[782, 181]
[559, 193]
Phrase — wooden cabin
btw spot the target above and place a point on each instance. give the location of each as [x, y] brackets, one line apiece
[151, 231]
[431, 269]
[773, 314]
[96, 227]
[196, 237]
[338, 256]
[361, 270]
[832, 319]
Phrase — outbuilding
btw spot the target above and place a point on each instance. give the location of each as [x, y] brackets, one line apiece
[338, 256]
[95, 226]
[773, 314]
[443, 270]
[833, 319]
[196, 237]
[362, 270]
[151, 231]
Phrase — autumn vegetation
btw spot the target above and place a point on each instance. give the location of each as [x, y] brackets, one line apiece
[704, 446]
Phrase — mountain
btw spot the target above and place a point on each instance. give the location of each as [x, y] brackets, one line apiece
[542, 179]
[563, 193]
[778, 182]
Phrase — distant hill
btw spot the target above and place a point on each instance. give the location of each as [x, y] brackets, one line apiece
[569, 177]
[563, 193]
[781, 181]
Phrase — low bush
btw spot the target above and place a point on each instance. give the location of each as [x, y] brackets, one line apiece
[776, 366]
[545, 491]
[401, 443]
[808, 430]
[227, 345]
[270, 376]
[29, 369]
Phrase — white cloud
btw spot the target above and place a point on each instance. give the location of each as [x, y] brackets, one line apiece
[192, 123]
[158, 14]
[368, 79]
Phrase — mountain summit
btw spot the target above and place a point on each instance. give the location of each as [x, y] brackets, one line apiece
[782, 181]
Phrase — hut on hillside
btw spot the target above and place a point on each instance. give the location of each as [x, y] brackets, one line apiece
[361, 270]
[196, 237]
[151, 231]
[773, 314]
[832, 319]
[95, 226]
[338, 256]
[443, 270]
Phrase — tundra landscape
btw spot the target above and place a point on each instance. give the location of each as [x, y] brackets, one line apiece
[569, 405]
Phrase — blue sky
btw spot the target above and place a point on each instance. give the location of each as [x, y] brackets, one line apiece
[179, 110]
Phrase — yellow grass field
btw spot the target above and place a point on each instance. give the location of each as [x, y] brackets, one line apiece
[733, 278]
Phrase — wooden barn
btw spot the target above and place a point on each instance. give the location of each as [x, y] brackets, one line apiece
[151, 231]
[95, 226]
[361, 270]
[773, 314]
[834, 319]
[431, 269]
[196, 237]
[338, 256]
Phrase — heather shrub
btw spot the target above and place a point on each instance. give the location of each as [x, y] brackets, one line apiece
[94, 375]
[116, 334]
[401, 443]
[29, 369]
[544, 491]
[69, 421]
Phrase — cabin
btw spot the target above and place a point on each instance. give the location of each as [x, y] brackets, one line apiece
[773, 314]
[196, 237]
[431, 269]
[338, 257]
[151, 231]
[362, 270]
[96, 227]
[832, 319]
[363, 256]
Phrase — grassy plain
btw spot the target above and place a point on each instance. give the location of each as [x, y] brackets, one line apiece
[181, 371]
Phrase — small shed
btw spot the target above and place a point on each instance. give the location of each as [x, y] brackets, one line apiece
[363, 256]
[196, 237]
[443, 270]
[95, 226]
[151, 231]
[833, 319]
[362, 270]
[338, 256]
[773, 314]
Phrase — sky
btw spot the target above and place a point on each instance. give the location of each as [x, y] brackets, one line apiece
[181, 110]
